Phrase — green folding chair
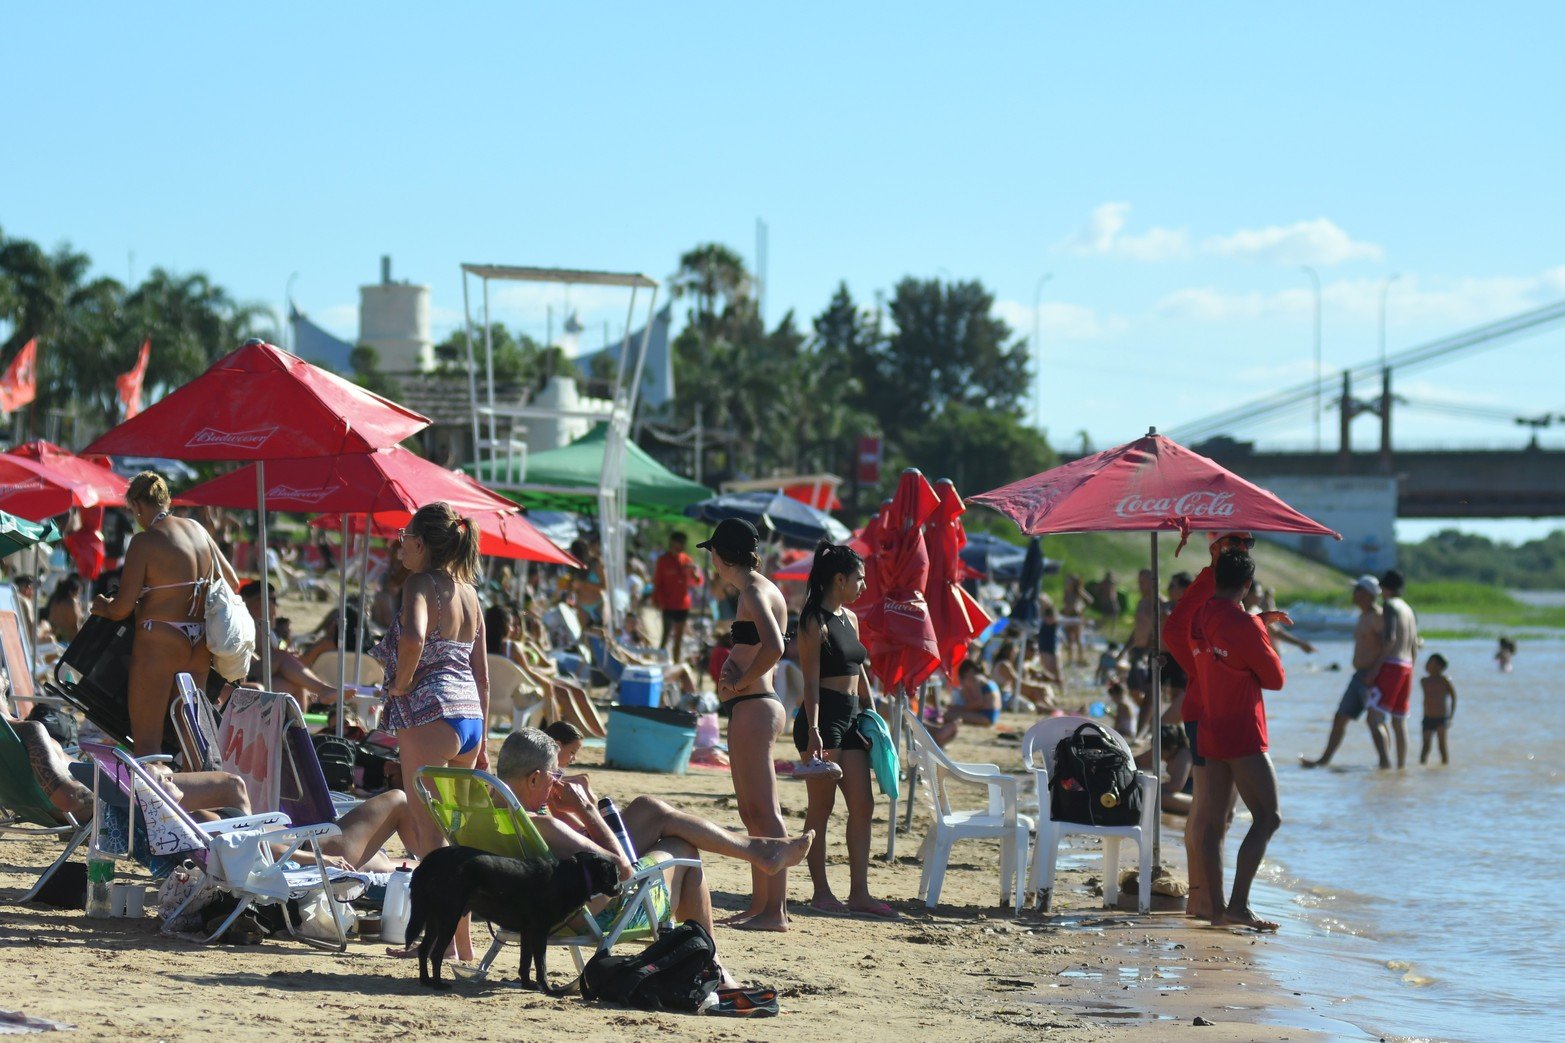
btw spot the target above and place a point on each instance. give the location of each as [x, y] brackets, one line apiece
[25, 808]
[475, 809]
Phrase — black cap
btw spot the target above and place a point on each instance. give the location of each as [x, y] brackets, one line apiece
[732, 540]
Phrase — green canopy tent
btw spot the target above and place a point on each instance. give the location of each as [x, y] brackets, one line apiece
[555, 476]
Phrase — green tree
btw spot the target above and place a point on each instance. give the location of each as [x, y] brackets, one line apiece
[518, 359]
[365, 363]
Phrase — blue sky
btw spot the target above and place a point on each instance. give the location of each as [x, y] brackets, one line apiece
[1172, 166]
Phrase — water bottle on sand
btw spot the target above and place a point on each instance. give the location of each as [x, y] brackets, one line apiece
[100, 887]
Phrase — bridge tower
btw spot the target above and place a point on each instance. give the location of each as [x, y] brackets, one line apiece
[1349, 407]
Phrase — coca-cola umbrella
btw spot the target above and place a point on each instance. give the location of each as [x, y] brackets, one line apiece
[1150, 485]
[260, 403]
[893, 615]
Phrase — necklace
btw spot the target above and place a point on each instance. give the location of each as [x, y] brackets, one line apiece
[157, 518]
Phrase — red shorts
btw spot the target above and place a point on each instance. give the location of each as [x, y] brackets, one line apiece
[1391, 692]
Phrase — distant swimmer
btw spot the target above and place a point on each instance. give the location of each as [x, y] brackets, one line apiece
[1367, 634]
[1506, 653]
[1439, 706]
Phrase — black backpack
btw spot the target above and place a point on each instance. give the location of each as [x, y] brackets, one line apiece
[1094, 781]
[675, 973]
[337, 756]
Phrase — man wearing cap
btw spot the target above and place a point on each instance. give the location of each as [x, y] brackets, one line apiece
[1367, 635]
[1179, 639]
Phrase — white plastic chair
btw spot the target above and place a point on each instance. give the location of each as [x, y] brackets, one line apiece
[509, 685]
[1038, 757]
[370, 670]
[1000, 819]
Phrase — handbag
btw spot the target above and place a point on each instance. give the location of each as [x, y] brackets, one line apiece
[230, 632]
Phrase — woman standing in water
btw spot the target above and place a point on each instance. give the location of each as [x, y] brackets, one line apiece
[748, 696]
[835, 692]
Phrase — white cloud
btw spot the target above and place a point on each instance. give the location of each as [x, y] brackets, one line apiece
[1410, 302]
[1104, 236]
[1058, 321]
[1305, 242]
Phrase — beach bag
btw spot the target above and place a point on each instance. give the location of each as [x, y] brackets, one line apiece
[338, 757]
[676, 973]
[230, 632]
[1093, 781]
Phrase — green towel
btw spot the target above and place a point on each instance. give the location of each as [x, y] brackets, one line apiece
[882, 752]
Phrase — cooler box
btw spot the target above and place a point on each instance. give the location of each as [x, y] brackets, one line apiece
[649, 738]
[640, 686]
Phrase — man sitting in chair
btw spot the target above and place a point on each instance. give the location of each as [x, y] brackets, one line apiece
[528, 763]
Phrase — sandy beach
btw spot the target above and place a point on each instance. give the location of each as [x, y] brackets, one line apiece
[966, 971]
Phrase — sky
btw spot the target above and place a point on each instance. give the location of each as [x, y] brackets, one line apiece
[1168, 168]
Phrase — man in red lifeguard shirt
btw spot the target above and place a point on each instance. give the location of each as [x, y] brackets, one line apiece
[1206, 803]
[672, 578]
[1235, 661]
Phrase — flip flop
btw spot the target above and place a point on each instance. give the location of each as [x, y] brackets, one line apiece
[880, 911]
[745, 1003]
[833, 909]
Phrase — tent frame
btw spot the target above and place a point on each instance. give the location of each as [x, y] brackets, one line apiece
[612, 500]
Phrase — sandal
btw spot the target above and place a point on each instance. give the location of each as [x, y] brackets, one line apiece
[745, 1003]
[819, 768]
[832, 908]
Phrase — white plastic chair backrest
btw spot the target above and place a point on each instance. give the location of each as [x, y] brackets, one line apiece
[250, 744]
[565, 624]
[930, 759]
[506, 682]
[1041, 739]
[369, 672]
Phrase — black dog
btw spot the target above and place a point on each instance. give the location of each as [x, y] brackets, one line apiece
[531, 896]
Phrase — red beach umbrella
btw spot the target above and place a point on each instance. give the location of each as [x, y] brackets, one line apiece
[35, 491]
[109, 487]
[499, 535]
[799, 571]
[1152, 484]
[893, 614]
[261, 403]
[956, 616]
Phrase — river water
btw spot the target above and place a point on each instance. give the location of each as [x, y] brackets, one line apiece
[1427, 903]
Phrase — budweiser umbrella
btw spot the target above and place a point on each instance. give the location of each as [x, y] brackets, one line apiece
[893, 615]
[109, 487]
[1149, 485]
[956, 617]
[261, 403]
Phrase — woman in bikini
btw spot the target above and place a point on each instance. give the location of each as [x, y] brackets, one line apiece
[1073, 604]
[836, 691]
[167, 568]
[437, 677]
[748, 698]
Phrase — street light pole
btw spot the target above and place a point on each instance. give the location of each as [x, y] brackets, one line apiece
[1037, 348]
[1385, 288]
[1315, 278]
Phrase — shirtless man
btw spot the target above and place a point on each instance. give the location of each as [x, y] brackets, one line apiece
[1391, 684]
[289, 674]
[1366, 655]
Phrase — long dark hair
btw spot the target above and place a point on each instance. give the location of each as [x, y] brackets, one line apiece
[831, 560]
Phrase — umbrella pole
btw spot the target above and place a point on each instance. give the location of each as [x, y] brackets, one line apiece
[1157, 710]
[342, 623]
[364, 572]
[266, 600]
[896, 744]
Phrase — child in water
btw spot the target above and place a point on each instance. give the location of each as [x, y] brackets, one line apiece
[1506, 653]
[1439, 706]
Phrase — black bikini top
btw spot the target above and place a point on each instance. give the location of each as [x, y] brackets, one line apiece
[744, 632]
[842, 653]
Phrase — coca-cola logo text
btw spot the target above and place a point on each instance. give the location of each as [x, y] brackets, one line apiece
[1201, 504]
[209, 436]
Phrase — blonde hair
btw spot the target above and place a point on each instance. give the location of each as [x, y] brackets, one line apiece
[452, 540]
[148, 487]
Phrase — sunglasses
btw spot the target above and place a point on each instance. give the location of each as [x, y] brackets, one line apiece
[1242, 541]
[555, 775]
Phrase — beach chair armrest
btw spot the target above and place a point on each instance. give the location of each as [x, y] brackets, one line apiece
[268, 820]
[156, 758]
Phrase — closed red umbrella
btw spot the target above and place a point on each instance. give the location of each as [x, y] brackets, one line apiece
[955, 615]
[109, 487]
[1152, 484]
[895, 617]
[261, 403]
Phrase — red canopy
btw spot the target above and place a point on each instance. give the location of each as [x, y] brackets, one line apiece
[955, 615]
[1147, 485]
[499, 535]
[356, 483]
[261, 403]
[35, 491]
[894, 617]
[109, 487]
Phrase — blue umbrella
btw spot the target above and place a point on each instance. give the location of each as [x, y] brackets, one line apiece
[797, 524]
[995, 558]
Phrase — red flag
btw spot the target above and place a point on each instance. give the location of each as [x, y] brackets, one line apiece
[128, 384]
[19, 386]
